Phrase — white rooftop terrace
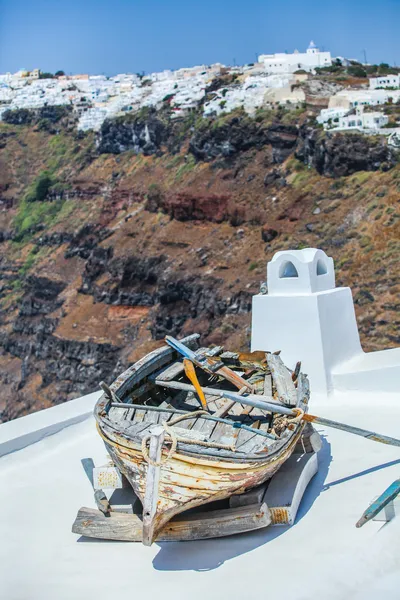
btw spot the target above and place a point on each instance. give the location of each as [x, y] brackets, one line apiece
[323, 555]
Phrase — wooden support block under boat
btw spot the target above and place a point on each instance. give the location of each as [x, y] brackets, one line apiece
[287, 487]
[273, 503]
[253, 496]
[197, 526]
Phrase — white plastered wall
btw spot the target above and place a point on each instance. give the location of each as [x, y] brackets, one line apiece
[306, 317]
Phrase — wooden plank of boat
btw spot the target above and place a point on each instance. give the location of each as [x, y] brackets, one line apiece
[191, 400]
[268, 385]
[303, 389]
[196, 526]
[224, 433]
[164, 416]
[282, 380]
[123, 415]
[226, 406]
[171, 371]
[246, 440]
[216, 351]
[177, 368]
[134, 429]
[144, 367]
[157, 435]
[152, 417]
[139, 415]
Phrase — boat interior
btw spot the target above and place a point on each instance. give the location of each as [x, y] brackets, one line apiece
[226, 428]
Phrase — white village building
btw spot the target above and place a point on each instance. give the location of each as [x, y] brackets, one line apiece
[289, 63]
[331, 114]
[388, 81]
[350, 98]
[353, 119]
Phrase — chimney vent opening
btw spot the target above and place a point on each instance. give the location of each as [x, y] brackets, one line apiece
[321, 267]
[288, 270]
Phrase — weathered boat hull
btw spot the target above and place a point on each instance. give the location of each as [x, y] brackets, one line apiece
[186, 482]
[172, 482]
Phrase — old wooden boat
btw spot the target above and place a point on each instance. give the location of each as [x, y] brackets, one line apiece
[175, 454]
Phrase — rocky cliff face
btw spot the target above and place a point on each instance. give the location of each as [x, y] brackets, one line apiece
[137, 134]
[174, 236]
[342, 154]
[240, 134]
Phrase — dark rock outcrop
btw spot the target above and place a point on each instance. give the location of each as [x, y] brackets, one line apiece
[274, 177]
[268, 234]
[145, 135]
[240, 134]
[95, 266]
[341, 154]
[88, 237]
[41, 296]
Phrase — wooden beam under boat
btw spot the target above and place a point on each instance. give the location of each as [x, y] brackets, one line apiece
[197, 526]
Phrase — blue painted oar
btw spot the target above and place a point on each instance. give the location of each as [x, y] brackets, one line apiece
[209, 365]
[388, 495]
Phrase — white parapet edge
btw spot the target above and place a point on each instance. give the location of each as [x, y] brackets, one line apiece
[22, 432]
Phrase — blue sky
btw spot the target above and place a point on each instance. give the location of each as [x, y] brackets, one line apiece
[104, 36]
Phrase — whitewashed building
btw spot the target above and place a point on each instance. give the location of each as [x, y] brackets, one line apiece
[331, 114]
[388, 81]
[289, 63]
[352, 98]
[359, 120]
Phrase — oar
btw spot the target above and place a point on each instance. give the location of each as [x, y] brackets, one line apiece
[191, 375]
[209, 365]
[259, 402]
[370, 435]
[389, 494]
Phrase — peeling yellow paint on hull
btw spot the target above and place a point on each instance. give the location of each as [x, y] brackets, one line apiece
[188, 481]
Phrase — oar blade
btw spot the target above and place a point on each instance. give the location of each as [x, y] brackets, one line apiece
[379, 504]
[191, 375]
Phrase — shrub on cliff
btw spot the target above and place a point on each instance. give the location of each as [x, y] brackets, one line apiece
[19, 116]
[44, 117]
[356, 71]
[40, 188]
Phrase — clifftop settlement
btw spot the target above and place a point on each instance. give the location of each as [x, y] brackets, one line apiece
[275, 79]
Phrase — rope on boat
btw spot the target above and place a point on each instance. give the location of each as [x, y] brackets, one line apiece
[177, 438]
[283, 422]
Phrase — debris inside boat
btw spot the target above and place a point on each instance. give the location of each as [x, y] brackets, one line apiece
[212, 442]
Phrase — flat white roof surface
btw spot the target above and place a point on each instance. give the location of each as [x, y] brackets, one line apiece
[322, 556]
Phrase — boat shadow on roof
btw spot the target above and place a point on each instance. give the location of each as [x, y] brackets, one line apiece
[206, 555]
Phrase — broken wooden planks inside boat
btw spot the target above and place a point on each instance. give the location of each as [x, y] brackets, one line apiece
[202, 455]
